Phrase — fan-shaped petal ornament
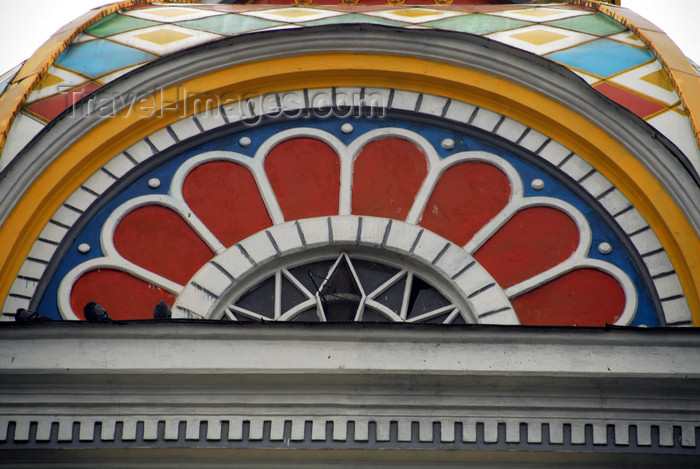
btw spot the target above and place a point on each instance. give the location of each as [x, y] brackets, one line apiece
[222, 206]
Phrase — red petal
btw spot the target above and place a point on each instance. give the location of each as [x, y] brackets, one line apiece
[466, 197]
[225, 197]
[158, 239]
[387, 176]
[532, 241]
[583, 297]
[122, 295]
[305, 175]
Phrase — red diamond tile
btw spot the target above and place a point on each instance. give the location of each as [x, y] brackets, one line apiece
[51, 107]
[639, 105]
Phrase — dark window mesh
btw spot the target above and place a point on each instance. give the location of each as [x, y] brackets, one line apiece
[340, 295]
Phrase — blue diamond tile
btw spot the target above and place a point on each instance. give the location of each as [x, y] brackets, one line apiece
[98, 57]
[602, 57]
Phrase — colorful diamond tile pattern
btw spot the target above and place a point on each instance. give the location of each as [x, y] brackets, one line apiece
[603, 57]
[98, 57]
[605, 54]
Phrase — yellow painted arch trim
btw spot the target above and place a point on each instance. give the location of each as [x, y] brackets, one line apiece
[111, 136]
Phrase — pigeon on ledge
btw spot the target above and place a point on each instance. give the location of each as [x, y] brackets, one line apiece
[24, 315]
[95, 313]
[162, 311]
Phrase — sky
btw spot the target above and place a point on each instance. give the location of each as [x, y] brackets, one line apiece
[678, 18]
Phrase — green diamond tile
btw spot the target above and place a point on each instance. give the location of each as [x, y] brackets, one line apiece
[229, 24]
[114, 24]
[354, 18]
[600, 25]
[477, 24]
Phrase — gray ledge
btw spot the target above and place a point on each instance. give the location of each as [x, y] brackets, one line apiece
[188, 385]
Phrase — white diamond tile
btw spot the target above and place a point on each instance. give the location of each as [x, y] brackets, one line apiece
[67, 80]
[164, 39]
[634, 80]
[530, 38]
[540, 13]
[628, 37]
[22, 131]
[118, 74]
[171, 14]
[293, 14]
[588, 78]
[676, 127]
[415, 16]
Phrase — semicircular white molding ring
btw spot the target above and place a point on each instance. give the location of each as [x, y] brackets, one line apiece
[232, 272]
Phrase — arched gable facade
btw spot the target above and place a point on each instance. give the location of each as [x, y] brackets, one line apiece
[464, 165]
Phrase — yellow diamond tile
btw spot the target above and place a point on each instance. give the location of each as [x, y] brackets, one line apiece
[414, 13]
[163, 36]
[539, 37]
[169, 12]
[49, 80]
[291, 13]
[660, 79]
[538, 13]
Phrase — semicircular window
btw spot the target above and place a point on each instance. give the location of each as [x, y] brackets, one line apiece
[345, 288]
